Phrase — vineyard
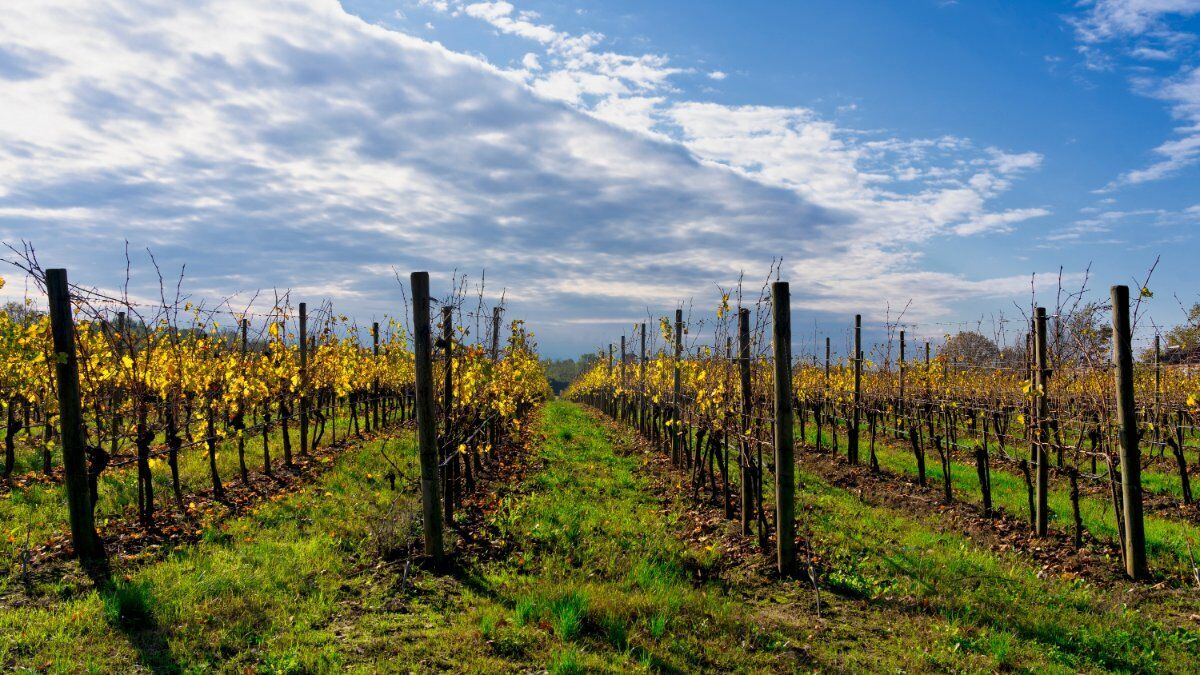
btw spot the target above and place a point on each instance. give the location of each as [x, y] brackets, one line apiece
[181, 419]
[284, 490]
[1038, 440]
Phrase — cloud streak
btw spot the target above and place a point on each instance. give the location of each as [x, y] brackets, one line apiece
[1143, 31]
[291, 144]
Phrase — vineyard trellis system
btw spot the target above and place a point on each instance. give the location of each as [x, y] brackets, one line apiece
[728, 419]
[117, 385]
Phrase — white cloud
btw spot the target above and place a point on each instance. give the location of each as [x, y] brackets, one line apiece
[530, 61]
[1152, 54]
[291, 144]
[1109, 19]
[1183, 94]
[1151, 225]
[948, 182]
[1144, 30]
[499, 15]
[575, 71]
[999, 222]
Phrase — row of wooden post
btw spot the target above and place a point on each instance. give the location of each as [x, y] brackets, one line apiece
[88, 546]
[85, 539]
[438, 468]
[784, 521]
[1131, 517]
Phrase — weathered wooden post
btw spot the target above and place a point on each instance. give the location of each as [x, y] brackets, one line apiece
[375, 392]
[621, 400]
[676, 426]
[828, 351]
[642, 381]
[822, 407]
[1131, 455]
[747, 474]
[303, 378]
[450, 454]
[495, 334]
[84, 539]
[241, 416]
[607, 393]
[426, 422]
[725, 440]
[1039, 456]
[785, 477]
[852, 438]
[494, 431]
[1157, 385]
[118, 394]
[1030, 410]
[900, 423]
[266, 426]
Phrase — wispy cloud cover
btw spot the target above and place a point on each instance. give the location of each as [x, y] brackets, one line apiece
[290, 143]
[1145, 31]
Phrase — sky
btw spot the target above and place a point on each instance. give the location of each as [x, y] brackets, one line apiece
[607, 161]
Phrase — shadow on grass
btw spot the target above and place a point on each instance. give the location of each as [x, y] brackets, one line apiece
[129, 607]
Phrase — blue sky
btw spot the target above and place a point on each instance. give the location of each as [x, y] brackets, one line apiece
[608, 160]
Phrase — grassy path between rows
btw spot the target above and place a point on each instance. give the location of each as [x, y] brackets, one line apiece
[1167, 539]
[588, 570]
[36, 511]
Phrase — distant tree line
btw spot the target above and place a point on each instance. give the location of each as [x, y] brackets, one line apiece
[562, 372]
[1083, 338]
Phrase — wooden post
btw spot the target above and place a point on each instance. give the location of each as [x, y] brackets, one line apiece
[785, 481]
[828, 349]
[375, 393]
[725, 440]
[303, 378]
[928, 380]
[1131, 456]
[609, 395]
[900, 423]
[822, 410]
[852, 437]
[747, 476]
[426, 422]
[495, 334]
[241, 416]
[118, 394]
[450, 456]
[676, 430]
[642, 380]
[84, 539]
[266, 430]
[621, 401]
[494, 430]
[1157, 384]
[1039, 456]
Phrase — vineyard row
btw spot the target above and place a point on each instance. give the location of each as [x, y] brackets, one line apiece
[729, 419]
[116, 388]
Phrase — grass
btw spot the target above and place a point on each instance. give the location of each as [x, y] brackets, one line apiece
[259, 590]
[596, 578]
[1166, 538]
[996, 605]
[34, 513]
